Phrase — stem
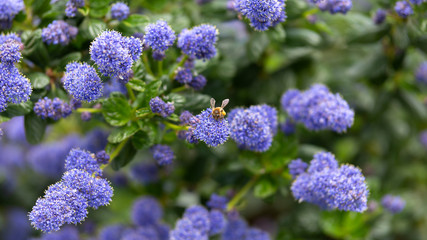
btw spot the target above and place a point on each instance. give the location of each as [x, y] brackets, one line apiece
[91, 110]
[175, 127]
[147, 64]
[159, 69]
[118, 149]
[236, 199]
[179, 89]
[131, 94]
[180, 64]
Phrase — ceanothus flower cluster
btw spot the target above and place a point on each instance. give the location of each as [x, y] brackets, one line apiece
[82, 82]
[15, 88]
[421, 73]
[119, 11]
[262, 14]
[333, 6]
[159, 37]
[59, 32]
[184, 75]
[237, 228]
[66, 201]
[115, 54]
[380, 16]
[52, 108]
[163, 154]
[329, 186]
[160, 107]
[318, 109]
[393, 204]
[199, 42]
[72, 7]
[8, 11]
[403, 9]
[253, 128]
[205, 128]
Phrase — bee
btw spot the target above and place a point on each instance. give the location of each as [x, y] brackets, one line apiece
[218, 112]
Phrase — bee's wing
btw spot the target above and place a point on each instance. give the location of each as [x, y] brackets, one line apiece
[212, 103]
[225, 102]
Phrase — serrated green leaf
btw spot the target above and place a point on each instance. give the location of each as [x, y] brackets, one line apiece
[116, 110]
[137, 85]
[38, 80]
[35, 50]
[34, 128]
[120, 134]
[264, 188]
[125, 156]
[14, 110]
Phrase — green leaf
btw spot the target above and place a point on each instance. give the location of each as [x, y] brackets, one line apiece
[18, 109]
[177, 99]
[120, 134]
[141, 140]
[71, 57]
[302, 37]
[257, 44]
[91, 28]
[4, 119]
[134, 23]
[34, 128]
[38, 79]
[137, 85]
[196, 101]
[125, 156]
[264, 188]
[139, 69]
[414, 105]
[142, 112]
[370, 35]
[116, 110]
[35, 50]
[98, 8]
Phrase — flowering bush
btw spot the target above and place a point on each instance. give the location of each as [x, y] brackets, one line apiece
[213, 119]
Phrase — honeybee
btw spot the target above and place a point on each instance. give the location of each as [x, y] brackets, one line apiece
[218, 112]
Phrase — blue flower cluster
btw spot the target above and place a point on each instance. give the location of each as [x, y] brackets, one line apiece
[217, 202]
[262, 14]
[185, 76]
[158, 106]
[393, 204]
[82, 82]
[115, 54]
[54, 109]
[237, 228]
[159, 37]
[119, 11]
[253, 128]
[417, 2]
[421, 74]
[333, 6]
[288, 127]
[198, 223]
[83, 160]
[380, 16]
[66, 201]
[102, 157]
[205, 128]
[297, 167]
[72, 7]
[15, 87]
[145, 173]
[199, 42]
[59, 32]
[163, 154]
[403, 9]
[318, 109]
[8, 11]
[329, 186]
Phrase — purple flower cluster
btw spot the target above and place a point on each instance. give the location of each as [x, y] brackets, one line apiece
[66, 201]
[119, 11]
[72, 7]
[102, 157]
[185, 76]
[288, 127]
[163, 154]
[54, 109]
[82, 82]
[380, 16]
[297, 167]
[253, 128]
[333, 6]
[423, 138]
[8, 11]
[262, 14]
[421, 74]
[159, 37]
[115, 54]
[403, 9]
[329, 186]
[205, 128]
[199, 42]
[237, 228]
[59, 32]
[217, 202]
[158, 106]
[198, 223]
[15, 88]
[393, 204]
[318, 109]
[82, 160]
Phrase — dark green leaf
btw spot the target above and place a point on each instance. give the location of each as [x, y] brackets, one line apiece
[71, 57]
[125, 156]
[13, 110]
[38, 79]
[34, 128]
[141, 139]
[137, 85]
[142, 112]
[35, 50]
[265, 187]
[414, 106]
[98, 8]
[91, 28]
[302, 37]
[370, 35]
[116, 110]
[4, 119]
[120, 134]
[257, 44]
